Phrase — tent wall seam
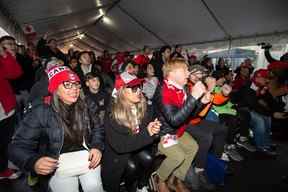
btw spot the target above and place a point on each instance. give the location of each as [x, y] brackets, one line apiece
[220, 25]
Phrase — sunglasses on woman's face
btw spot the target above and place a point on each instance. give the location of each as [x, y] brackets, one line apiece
[70, 85]
[136, 89]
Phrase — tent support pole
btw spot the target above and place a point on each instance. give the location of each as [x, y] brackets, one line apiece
[229, 48]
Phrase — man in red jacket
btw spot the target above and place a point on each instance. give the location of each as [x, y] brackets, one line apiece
[9, 70]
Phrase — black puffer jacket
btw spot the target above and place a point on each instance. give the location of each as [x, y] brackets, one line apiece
[40, 134]
[170, 115]
[97, 105]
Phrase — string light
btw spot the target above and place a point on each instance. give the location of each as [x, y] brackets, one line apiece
[81, 36]
[106, 20]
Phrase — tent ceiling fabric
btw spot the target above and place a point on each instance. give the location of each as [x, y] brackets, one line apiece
[135, 23]
[27, 11]
[178, 21]
[246, 18]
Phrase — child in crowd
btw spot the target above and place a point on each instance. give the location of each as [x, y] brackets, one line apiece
[174, 107]
[150, 84]
[97, 99]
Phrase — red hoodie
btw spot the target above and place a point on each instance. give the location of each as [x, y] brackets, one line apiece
[9, 70]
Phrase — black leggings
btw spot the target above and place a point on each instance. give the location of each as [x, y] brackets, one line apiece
[137, 170]
[7, 130]
[208, 134]
[244, 119]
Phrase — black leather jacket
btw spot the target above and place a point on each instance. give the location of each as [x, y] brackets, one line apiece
[173, 117]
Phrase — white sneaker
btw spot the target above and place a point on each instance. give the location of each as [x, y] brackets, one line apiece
[225, 157]
[232, 152]
[144, 189]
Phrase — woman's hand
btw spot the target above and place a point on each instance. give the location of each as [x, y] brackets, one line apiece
[154, 127]
[95, 156]
[45, 165]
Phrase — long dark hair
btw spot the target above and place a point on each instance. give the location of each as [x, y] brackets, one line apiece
[73, 118]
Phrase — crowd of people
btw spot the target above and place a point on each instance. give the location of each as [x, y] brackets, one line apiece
[75, 121]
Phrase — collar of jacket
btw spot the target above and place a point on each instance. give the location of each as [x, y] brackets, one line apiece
[176, 92]
[173, 85]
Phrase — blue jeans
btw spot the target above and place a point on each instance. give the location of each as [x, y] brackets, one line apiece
[212, 116]
[261, 127]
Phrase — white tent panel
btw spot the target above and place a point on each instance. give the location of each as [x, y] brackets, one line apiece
[125, 27]
[246, 18]
[177, 22]
[110, 38]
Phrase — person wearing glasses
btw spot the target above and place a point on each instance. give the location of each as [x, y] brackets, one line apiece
[129, 132]
[56, 141]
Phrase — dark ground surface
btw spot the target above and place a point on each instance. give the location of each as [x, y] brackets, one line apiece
[254, 174]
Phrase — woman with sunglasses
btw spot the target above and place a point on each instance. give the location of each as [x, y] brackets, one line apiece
[56, 141]
[130, 131]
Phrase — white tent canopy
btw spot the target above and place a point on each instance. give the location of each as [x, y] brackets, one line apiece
[118, 25]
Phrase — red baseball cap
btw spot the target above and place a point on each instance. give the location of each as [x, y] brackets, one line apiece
[126, 80]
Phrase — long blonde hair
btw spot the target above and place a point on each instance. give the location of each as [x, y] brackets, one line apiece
[122, 112]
